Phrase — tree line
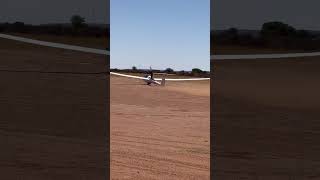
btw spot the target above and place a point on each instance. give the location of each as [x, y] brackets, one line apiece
[76, 27]
[195, 72]
[273, 34]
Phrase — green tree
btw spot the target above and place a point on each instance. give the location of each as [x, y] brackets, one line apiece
[196, 71]
[303, 34]
[276, 29]
[134, 68]
[169, 70]
[77, 22]
[18, 27]
[231, 34]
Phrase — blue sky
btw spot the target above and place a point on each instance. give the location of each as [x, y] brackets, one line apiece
[53, 11]
[251, 14]
[160, 33]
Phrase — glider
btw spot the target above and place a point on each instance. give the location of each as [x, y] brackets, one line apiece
[149, 80]
[55, 45]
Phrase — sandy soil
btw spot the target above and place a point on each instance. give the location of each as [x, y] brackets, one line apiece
[265, 119]
[52, 117]
[159, 132]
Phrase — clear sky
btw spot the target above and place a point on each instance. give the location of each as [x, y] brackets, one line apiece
[251, 14]
[53, 11]
[160, 34]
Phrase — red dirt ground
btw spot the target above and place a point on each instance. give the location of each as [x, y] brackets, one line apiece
[159, 132]
[266, 119]
[52, 125]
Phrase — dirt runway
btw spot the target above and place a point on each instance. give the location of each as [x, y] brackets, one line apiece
[266, 119]
[159, 132]
[53, 115]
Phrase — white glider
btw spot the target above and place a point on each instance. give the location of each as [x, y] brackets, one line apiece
[146, 79]
[264, 56]
[149, 80]
[55, 45]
